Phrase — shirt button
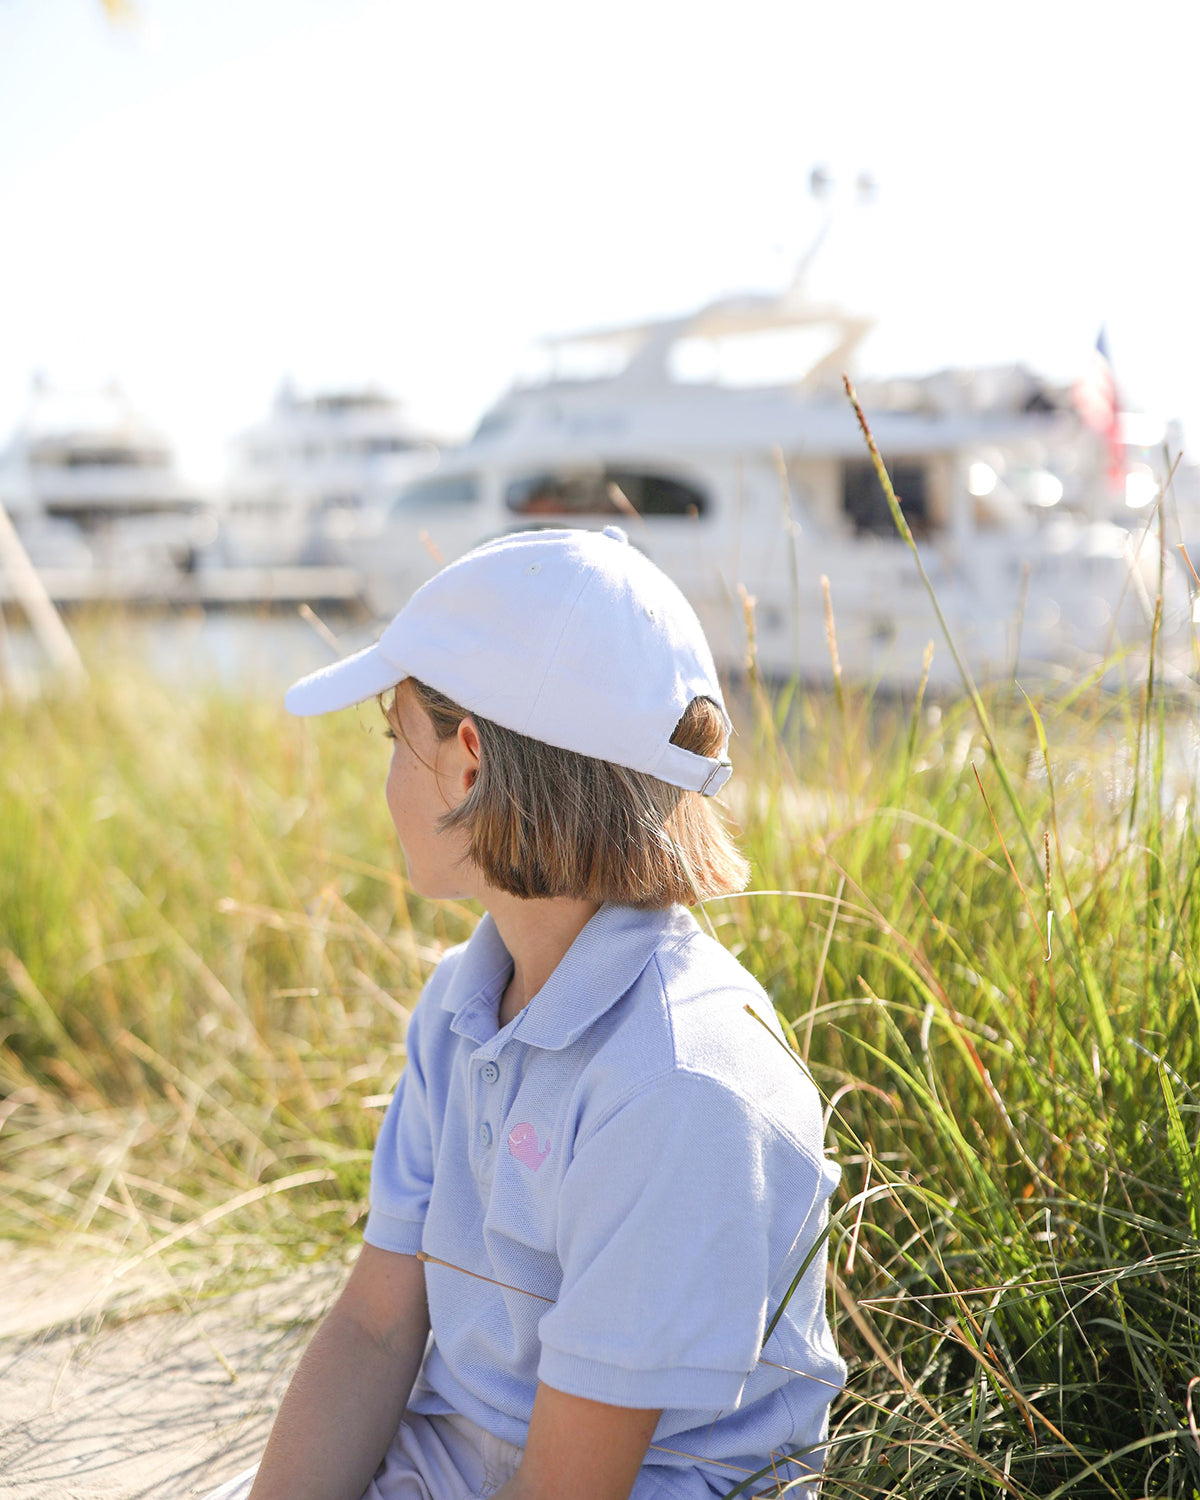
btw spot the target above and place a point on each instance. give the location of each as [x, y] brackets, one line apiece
[485, 1135]
[489, 1072]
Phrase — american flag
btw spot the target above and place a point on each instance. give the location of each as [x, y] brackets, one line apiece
[1096, 401]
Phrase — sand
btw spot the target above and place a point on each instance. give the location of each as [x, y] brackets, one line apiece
[113, 1384]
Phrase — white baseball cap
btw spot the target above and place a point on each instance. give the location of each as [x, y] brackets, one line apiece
[573, 638]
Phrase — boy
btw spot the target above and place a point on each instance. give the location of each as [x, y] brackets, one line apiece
[602, 1169]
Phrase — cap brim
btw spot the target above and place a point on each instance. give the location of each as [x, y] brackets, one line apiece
[366, 674]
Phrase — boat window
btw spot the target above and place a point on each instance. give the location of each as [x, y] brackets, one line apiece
[339, 401]
[604, 492]
[446, 489]
[865, 505]
[771, 356]
[112, 458]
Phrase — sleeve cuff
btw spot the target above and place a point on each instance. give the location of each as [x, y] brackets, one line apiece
[682, 1387]
[387, 1232]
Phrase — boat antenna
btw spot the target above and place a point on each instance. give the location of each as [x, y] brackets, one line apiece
[822, 188]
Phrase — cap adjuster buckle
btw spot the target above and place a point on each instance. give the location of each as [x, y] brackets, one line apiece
[722, 770]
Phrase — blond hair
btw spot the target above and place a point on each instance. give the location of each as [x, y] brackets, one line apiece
[540, 821]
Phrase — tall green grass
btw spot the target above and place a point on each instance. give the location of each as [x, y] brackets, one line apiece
[1011, 1051]
[206, 951]
[983, 934]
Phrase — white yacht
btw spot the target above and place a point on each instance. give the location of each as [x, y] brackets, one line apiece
[316, 472]
[92, 488]
[724, 442]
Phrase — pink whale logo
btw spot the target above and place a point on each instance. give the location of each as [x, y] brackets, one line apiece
[523, 1144]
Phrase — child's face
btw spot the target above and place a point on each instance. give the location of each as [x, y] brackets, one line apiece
[428, 778]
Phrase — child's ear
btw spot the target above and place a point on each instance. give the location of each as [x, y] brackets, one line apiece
[469, 746]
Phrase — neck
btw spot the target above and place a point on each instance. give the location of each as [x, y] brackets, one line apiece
[537, 934]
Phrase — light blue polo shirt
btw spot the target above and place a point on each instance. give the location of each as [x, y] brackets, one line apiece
[617, 1190]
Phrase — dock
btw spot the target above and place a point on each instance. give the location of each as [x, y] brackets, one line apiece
[206, 588]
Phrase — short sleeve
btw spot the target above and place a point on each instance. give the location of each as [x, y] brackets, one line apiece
[678, 1219]
[402, 1166]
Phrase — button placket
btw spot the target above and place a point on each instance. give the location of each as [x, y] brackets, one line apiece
[485, 1103]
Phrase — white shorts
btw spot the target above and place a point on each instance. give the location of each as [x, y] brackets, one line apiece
[430, 1458]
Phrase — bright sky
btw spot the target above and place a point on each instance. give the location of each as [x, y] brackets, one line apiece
[409, 192]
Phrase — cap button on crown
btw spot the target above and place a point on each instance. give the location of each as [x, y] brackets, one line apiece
[616, 534]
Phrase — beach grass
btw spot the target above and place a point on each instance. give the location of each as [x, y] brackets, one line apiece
[980, 921]
[1003, 1016]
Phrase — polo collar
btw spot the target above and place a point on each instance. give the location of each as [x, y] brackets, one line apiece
[477, 983]
[600, 966]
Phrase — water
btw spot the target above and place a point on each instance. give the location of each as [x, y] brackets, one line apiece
[256, 651]
[262, 652]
